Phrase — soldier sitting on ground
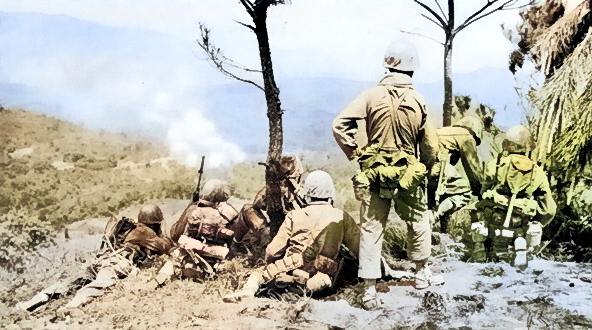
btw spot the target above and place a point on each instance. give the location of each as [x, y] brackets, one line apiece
[251, 217]
[202, 235]
[126, 245]
[516, 205]
[306, 250]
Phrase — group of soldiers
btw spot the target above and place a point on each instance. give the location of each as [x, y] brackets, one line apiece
[426, 174]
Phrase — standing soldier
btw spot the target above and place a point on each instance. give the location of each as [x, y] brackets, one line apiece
[449, 189]
[306, 248]
[401, 147]
[251, 217]
[202, 235]
[517, 203]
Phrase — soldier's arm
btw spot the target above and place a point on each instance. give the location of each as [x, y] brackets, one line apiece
[547, 205]
[471, 163]
[345, 126]
[143, 236]
[259, 201]
[351, 235]
[428, 146]
[279, 244]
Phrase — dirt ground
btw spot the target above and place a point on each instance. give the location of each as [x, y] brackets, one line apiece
[547, 295]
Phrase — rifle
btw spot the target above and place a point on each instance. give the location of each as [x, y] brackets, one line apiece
[196, 192]
[299, 200]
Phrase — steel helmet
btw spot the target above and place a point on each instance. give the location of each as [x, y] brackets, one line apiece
[473, 124]
[215, 191]
[319, 184]
[292, 167]
[517, 140]
[401, 55]
[150, 214]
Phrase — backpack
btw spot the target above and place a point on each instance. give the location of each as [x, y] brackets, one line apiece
[116, 231]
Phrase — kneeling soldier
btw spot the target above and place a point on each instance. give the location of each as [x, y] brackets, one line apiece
[516, 205]
[306, 248]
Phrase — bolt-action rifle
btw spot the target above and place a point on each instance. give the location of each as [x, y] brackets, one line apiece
[196, 192]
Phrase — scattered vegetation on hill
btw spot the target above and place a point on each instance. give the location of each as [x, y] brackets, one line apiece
[53, 173]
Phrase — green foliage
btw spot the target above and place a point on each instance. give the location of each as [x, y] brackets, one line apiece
[20, 234]
[492, 271]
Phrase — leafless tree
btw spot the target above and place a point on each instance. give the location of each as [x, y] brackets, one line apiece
[446, 20]
[273, 176]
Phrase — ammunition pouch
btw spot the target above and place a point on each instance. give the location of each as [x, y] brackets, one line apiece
[214, 233]
[203, 249]
[291, 262]
[387, 171]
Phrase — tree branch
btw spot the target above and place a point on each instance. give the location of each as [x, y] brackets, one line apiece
[422, 35]
[441, 10]
[507, 5]
[431, 20]
[431, 11]
[219, 60]
[252, 28]
[249, 7]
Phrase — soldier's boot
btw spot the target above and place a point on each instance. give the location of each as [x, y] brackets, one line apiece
[43, 297]
[248, 290]
[424, 277]
[478, 234]
[370, 299]
[30, 305]
[520, 254]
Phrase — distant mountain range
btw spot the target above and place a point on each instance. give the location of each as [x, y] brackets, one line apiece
[41, 57]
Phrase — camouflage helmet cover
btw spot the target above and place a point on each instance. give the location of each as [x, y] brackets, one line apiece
[518, 139]
[291, 166]
[215, 191]
[401, 55]
[473, 124]
[319, 184]
[150, 214]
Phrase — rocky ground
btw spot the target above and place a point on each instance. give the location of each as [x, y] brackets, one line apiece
[547, 295]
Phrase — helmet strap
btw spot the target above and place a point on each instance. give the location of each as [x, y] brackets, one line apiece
[409, 73]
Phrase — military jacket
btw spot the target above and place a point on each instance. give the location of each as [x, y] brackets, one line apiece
[317, 229]
[412, 132]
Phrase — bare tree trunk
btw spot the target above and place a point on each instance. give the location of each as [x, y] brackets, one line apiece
[448, 99]
[274, 114]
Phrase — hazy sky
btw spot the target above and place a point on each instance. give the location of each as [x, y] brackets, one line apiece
[309, 38]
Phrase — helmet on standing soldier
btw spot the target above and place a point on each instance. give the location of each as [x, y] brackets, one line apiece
[401, 55]
[150, 214]
[319, 184]
[517, 140]
[215, 191]
[474, 125]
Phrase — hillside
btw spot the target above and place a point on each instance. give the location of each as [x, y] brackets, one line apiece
[53, 173]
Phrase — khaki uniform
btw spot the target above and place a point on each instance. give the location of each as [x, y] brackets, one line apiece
[251, 217]
[309, 240]
[411, 134]
[202, 233]
[110, 265]
[533, 206]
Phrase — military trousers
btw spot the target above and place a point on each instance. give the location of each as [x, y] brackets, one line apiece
[249, 219]
[411, 207]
